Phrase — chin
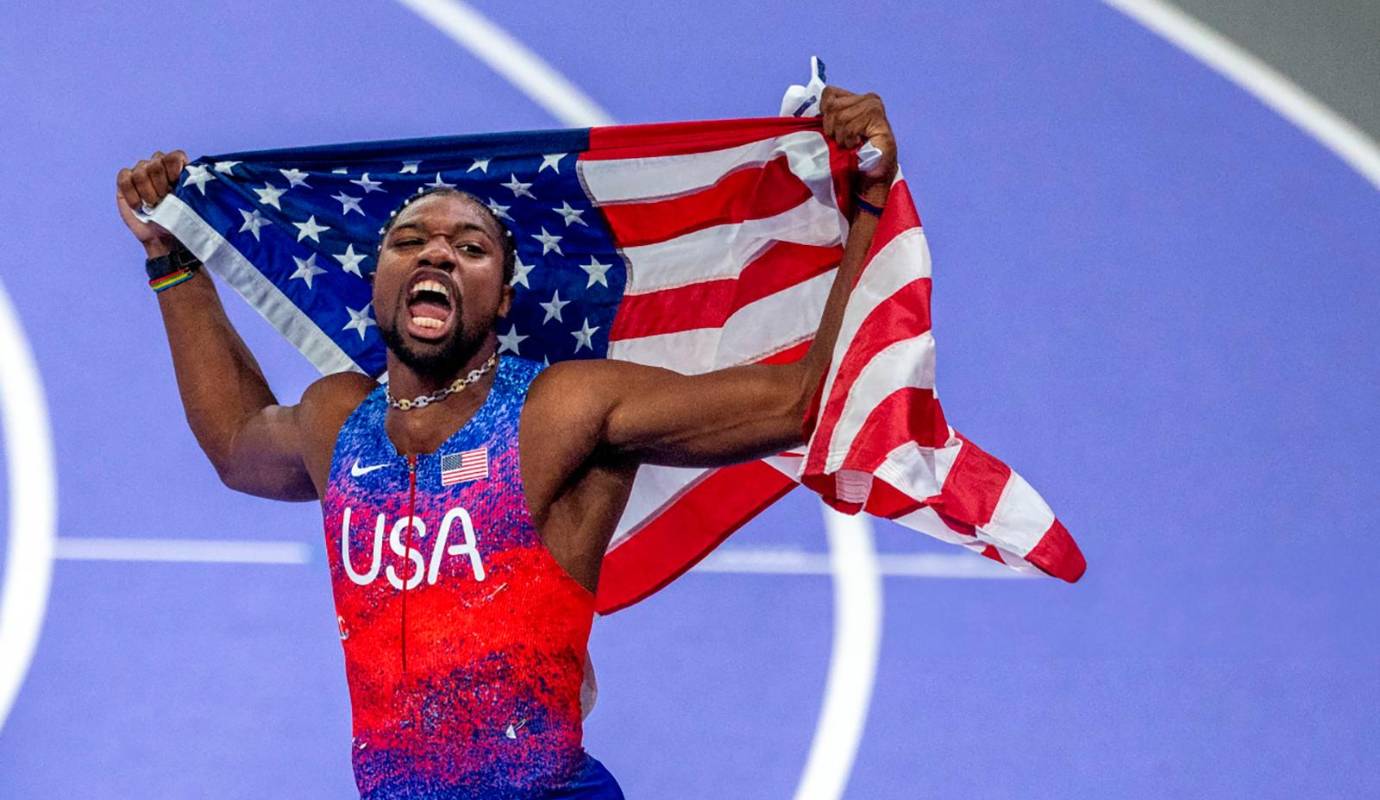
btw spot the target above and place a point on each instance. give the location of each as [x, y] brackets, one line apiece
[440, 358]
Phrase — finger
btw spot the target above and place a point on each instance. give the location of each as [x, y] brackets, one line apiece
[158, 176]
[143, 185]
[173, 164]
[124, 181]
[126, 213]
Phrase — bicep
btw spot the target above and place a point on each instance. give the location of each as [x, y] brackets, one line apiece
[284, 452]
[268, 456]
[723, 417]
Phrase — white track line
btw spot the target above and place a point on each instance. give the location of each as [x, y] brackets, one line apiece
[206, 551]
[1334, 132]
[33, 506]
[509, 58]
[727, 560]
[852, 660]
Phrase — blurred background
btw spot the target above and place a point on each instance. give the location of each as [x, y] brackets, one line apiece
[1156, 238]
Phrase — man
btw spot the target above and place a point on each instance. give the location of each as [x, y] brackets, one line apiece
[496, 484]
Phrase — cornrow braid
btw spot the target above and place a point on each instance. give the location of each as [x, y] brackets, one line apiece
[509, 243]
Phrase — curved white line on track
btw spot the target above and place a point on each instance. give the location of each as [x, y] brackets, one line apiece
[507, 56]
[33, 506]
[853, 660]
[857, 581]
[1285, 97]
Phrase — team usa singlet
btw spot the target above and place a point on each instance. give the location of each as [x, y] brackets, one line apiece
[464, 639]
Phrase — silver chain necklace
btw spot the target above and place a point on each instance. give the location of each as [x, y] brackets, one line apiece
[435, 397]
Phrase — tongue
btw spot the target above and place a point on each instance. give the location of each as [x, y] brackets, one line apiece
[431, 310]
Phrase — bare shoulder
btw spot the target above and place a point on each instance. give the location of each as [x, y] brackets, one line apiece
[330, 400]
[572, 392]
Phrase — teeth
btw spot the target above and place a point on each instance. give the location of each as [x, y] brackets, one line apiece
[426, 322]
[430, 286]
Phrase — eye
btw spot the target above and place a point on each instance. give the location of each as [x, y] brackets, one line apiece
[471, 249]
[412, 242]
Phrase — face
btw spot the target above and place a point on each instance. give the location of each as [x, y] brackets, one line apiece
[439, 287]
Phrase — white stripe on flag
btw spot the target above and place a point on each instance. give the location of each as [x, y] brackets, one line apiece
[723, 250]
[642, 179]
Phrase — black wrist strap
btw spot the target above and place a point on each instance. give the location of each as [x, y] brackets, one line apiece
[179, 259]
[863, 205]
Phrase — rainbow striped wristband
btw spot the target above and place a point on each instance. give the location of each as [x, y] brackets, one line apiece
[170, 280]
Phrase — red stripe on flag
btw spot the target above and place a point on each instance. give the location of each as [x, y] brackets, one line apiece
[1058, 554]
[709, 304]
[683, 138]
[686, 531]
[902, 316]
[752, 192]
[909, 414]
[973, 487]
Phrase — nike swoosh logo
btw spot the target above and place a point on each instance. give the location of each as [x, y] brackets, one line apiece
[357, 471]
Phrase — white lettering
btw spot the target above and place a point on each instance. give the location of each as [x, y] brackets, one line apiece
[467, 548]
[363, 579]
[419, 570]
[415, 574]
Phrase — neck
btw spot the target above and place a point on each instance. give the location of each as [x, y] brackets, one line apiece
[422, 430]
[404, 381]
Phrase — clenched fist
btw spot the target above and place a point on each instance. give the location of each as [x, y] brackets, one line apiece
[147, 183]
[854, 119]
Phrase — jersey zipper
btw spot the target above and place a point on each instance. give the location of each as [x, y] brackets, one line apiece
[411, 512]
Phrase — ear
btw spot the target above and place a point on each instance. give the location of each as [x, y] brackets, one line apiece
[505, 300]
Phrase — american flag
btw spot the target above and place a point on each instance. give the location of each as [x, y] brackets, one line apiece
[693, 246]
[468, 465]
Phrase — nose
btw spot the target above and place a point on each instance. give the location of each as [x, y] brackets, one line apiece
[437, 253]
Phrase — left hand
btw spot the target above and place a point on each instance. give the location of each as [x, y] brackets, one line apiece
[854, 119]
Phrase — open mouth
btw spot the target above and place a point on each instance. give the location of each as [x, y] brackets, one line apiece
[430, 308]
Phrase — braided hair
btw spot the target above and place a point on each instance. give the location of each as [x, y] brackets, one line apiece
[506, 239]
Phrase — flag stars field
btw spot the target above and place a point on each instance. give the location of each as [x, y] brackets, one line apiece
[350, 260]
[549, 242]
[440, 184]
[520, 272]
[359, 320]
[348, 203]
[596, 272]
[500, 211]
[553, 308]
[552, 160]
[253, 221]
[295, 177]
[226, 167]
[269, 195]
[481, 164]
[509, 342]
[310, 229]
[411, 167]
[198, 175]
[570, 214]
[518, 188]
[584, 337]
[306, 269]
[367, 184]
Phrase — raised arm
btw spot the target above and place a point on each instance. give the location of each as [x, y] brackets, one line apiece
[650, 415]
[256, 445]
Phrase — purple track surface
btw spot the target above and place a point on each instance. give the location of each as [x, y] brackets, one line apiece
[1154, 298]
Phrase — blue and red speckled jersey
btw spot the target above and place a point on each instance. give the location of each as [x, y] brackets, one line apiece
[464, 639]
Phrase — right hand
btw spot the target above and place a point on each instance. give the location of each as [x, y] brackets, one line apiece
[147, 183]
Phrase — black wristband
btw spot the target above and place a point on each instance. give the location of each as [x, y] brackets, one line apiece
[177, 260]
[863, 205]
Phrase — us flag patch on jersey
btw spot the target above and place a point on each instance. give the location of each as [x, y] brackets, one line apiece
[468, 465]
